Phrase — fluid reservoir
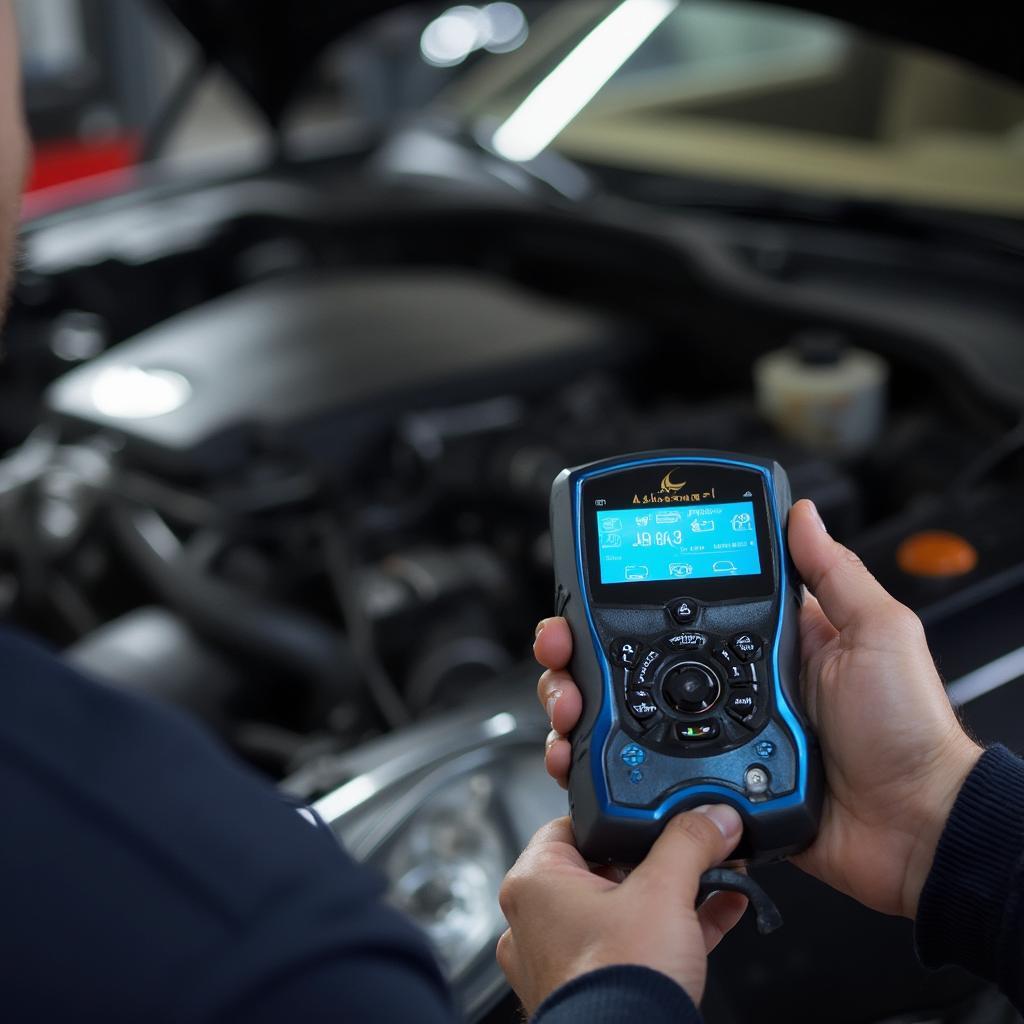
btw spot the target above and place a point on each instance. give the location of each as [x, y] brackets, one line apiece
[824, 393]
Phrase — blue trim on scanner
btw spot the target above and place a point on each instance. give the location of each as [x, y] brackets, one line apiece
[604, 719]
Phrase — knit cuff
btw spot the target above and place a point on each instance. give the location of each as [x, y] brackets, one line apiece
[970, 897]
[612, 995]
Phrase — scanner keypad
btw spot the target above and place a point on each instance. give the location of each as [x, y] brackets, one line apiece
[686, 690]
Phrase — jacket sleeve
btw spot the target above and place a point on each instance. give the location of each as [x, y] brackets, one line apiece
[146, 875]
[616, 994]
[971, 911]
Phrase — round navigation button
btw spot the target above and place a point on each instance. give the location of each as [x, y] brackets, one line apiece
[691, 689]
[746, 646]
[683, 610]
[633, 755]
[625, 652]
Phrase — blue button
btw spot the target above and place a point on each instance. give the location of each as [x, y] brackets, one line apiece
[633, 755]
[765, 748]
[636, 776]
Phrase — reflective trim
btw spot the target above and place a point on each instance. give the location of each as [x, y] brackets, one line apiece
[987, 678]
[353, 794]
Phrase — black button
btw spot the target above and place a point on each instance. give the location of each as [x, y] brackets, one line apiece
[625, 652]
[683, 610]
[747, 646]
[696, 731]
[691, 689]
[740, 675]
[641, 704]
[722, 654]
[686, 641]
[742, 705]
[645, 668]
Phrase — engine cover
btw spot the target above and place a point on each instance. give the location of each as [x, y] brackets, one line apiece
[321, 361]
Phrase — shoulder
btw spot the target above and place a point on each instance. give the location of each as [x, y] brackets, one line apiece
[146, 776]
[139, 853]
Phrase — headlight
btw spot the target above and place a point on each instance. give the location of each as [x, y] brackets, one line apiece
[446, 867]
[443, 809]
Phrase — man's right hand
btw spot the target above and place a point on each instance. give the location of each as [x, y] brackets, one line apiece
[895, 755]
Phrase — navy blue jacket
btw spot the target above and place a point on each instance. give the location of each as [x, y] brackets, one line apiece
[146, 875]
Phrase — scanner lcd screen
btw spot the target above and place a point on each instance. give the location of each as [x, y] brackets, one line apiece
[715, 541]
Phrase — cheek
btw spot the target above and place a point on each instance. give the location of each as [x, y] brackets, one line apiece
[13, 143]
[13, 140]
[13, 156]
[14, 153]
[12, 168]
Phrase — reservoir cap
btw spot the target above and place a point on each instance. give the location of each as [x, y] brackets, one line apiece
[936, 554]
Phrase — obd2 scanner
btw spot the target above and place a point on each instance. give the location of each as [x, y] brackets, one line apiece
[672, 570]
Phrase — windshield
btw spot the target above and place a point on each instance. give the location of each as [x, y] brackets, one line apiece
[743, 93]
[656, 98]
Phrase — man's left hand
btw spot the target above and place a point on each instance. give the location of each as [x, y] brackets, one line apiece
[566, 920]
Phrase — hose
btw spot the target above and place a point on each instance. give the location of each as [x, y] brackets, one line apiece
[233, 618]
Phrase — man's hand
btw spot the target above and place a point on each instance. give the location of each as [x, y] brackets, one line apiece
[566, 920]
[895, 754]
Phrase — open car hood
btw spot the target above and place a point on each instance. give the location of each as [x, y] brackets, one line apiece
[270, 47]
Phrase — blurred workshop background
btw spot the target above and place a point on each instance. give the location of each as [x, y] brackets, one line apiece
[314, 301]
[765, 94]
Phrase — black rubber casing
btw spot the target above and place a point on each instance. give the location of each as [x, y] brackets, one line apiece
[615, 822]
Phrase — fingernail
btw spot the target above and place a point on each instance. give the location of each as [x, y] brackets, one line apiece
[551, 702]
[817, 517]
[552, 737]
[540, 629]
[727, 818]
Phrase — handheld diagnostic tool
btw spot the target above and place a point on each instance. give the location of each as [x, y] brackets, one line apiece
[672, 570]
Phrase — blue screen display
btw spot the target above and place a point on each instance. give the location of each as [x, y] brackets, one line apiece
[640, 545]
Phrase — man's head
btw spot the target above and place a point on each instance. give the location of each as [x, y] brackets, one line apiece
[13, 144]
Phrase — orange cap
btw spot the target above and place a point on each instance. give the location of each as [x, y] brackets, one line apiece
[936, 553]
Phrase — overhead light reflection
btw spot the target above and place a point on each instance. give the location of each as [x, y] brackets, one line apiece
[559, 97]
[131, 393]
[506, 28]
[451, 37]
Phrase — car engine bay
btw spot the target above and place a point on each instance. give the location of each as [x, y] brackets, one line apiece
[286, 462]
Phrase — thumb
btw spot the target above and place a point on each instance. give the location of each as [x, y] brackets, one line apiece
[690, 844]
[849, 595]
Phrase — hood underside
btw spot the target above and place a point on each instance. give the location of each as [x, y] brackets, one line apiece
[269, 47]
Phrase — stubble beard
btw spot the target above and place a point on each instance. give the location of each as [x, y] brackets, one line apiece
[8, 261]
